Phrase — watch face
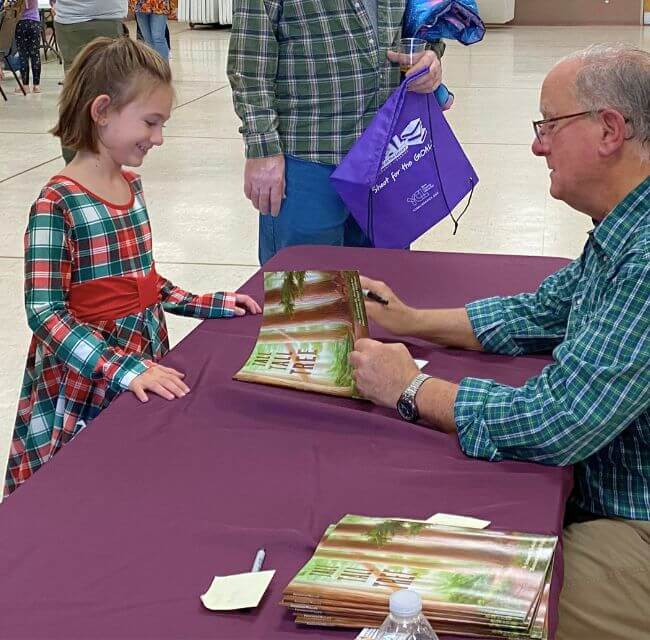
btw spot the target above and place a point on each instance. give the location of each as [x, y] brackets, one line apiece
[407, 410]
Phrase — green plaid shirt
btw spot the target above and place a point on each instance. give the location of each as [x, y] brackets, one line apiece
[308, 76]
[591, 406]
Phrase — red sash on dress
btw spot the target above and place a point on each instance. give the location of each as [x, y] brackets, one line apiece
[113, 297]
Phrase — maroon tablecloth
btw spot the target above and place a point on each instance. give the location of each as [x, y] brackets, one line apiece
[118, 535]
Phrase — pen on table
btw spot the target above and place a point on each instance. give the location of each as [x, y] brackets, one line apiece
[259, 560]
[371, 295]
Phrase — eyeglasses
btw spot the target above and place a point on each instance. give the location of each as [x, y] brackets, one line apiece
[540, 126]
[541, 129]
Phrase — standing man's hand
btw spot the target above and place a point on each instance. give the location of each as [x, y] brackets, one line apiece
[264, 183]
[428, 82]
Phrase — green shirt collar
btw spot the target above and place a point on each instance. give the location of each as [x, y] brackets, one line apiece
[610, 236]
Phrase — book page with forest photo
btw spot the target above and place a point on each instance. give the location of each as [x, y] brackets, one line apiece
[310, 323]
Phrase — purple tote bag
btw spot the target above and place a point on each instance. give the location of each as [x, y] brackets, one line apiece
[406, 172]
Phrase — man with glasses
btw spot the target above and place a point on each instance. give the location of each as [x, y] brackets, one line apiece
[591, 407]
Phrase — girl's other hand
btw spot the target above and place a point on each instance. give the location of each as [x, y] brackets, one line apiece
[163, 381]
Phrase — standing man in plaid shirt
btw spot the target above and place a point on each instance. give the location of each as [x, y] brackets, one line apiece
[591, 407]
[307, 78]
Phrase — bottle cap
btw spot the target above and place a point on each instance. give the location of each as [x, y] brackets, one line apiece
[405, 603]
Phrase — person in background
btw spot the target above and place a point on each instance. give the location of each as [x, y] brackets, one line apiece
[590, 407]
[13, 59]
[94, 299]
[168, 40]
[28, 40]
[78, 22]
[151, 16]
[307, 78]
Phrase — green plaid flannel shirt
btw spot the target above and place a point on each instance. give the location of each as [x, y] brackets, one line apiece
[308, 76]
[591, 407]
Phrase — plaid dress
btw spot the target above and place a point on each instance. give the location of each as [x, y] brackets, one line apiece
[75, 369]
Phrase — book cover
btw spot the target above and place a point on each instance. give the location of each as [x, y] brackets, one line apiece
[310, 323]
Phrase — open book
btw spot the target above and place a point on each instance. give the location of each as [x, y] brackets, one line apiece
[472, 582]
[311, 321]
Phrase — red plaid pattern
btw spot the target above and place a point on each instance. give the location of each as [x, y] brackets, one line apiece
[75, 369]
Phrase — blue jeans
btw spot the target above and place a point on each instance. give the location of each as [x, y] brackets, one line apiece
[312, 213]
[152, 26]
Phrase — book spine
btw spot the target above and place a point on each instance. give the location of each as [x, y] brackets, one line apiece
[357, 304]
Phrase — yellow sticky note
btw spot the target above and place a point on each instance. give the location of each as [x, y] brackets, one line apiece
[240, 591]
[451, 520]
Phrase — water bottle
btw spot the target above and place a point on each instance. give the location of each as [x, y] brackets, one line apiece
[405, 620]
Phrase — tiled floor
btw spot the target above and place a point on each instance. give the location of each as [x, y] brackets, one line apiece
[205, 230]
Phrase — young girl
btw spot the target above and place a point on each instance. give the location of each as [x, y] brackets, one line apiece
[93, 297]
[28, 41]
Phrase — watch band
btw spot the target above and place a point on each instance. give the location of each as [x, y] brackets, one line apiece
[415, 385]
[406, 406]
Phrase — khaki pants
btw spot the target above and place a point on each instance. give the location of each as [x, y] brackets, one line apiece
[72, 38]
[606, 593]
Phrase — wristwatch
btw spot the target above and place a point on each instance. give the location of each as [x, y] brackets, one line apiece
[406, 406]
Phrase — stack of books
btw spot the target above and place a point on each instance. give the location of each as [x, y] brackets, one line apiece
[472, 582]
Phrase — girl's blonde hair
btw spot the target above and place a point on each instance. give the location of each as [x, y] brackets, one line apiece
[122, 69]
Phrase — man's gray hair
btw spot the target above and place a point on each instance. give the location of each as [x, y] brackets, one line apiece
[617, 76]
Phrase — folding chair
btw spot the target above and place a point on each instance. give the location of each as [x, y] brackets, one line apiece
[9, 18]
[48, 43]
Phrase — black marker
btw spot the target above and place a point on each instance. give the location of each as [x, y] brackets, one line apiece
[371, 295]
